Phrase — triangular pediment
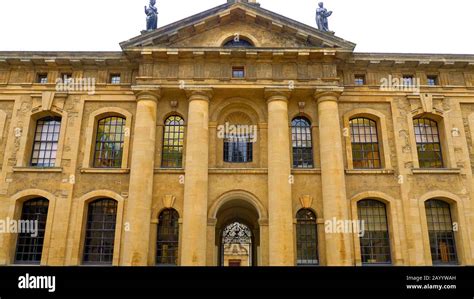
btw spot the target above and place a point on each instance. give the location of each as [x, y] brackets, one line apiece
[265, 29]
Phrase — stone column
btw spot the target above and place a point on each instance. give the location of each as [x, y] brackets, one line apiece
[138, 209]
[335, 204]
[193, 252]
[280, 209]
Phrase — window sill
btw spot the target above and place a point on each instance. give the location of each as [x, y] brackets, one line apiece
[169, 170]
[370, 171]
[306, 171]
[436, 171]
[38, 169]
[105, 170]
[238, 170]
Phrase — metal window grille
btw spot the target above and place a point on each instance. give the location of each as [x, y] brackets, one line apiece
[29, 248]
[168, 238]
[365, 145]
[109, 142]
[173, 143]
[45, 144]
[428, 143]
[100, 232]
[441, 232]
[375, 243]
[302, 143]
[306, 238]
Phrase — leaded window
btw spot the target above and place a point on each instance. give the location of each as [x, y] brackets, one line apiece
[168, 238]
[441, 232]
[365, 144]
[30, 241]
[109, 142]
[45, 144]
[374, 239]
[238, 148]
[306, 238]
[173, 142]
[100, 232]
[302, 143]
[428, 143]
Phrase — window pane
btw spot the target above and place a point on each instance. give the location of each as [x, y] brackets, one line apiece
[306, 238]
[428, 143]
[45, 142]
[238, 148]
[168, 238]
[441, 233]
[29, 248]
[302, 143]
[109, 143]
[173, 143]
[375, 242]
[100, 232]
[365, 146]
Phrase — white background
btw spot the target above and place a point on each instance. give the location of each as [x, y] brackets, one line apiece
[401, 26]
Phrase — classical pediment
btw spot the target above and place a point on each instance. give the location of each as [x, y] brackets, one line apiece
[261, 27]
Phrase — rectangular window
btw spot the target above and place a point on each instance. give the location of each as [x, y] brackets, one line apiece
[115, 79]
[432, 80]
[66, 77]
[42, 78]
[238, 148]
[238, 72]
[45, 144]
[359, 79]
[408, 80]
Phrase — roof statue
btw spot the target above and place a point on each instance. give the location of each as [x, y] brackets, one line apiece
[151, 16]
[322, 15]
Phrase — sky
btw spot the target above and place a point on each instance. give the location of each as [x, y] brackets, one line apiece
[394, 26]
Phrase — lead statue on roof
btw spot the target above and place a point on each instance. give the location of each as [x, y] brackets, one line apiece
[151, 16]
[322, 15]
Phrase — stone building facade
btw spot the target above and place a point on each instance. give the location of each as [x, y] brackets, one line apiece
[237, 114]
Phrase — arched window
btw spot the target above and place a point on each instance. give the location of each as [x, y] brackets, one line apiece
[374, 237]
[238, 42]
[168, 238]
[100, 232]
[29, 245]
[365, 144]
[428, 143]
[109, 142]
[302, 143]
[306, 238]
[45, 144]
[173, 142]
[441, 233]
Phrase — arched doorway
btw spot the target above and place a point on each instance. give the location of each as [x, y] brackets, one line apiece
[237, 234]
